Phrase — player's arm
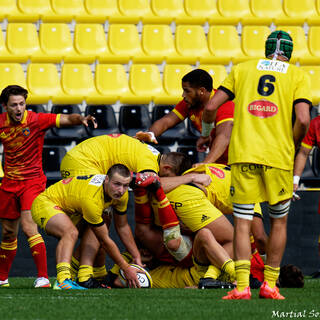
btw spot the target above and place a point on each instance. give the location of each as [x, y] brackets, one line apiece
[102, 234]
[299, 164]
[159, 127]
[302, 122]
[125, 234]
[170, 183]
[74, 119]
[220, 143]
[209, 115]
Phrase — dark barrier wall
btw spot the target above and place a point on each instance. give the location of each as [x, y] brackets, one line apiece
[301, 250]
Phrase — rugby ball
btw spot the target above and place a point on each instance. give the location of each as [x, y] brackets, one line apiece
[144, 279]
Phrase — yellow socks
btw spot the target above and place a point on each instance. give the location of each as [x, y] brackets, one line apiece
[242, 268]
[212, 272]
[85, 272]
[99, 272]
[271, 275]
[63, 271]
[228, 268]
[74, 268]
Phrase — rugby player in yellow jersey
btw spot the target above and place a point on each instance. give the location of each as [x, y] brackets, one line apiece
[61, 207]
[96, 155]
[261, 151]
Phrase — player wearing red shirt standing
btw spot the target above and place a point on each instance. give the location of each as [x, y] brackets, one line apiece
[197, 91]
[22, 135]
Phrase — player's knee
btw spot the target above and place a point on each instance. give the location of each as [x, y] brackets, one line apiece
[203, 235]
[72, 234]
[181, 248]
[279, 210]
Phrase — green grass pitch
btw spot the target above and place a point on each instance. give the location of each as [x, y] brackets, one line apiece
[21, 301]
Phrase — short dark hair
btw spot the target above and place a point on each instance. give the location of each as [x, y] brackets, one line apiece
[199, 78]
[12, 90]
[119, 168]
[180, 162]
[291, 277]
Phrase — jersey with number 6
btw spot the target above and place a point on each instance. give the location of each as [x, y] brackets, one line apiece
[265, 92]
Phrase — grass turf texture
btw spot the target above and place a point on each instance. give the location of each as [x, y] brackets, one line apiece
[21, 301]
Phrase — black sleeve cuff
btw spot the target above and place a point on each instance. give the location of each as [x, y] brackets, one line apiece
[228, 92]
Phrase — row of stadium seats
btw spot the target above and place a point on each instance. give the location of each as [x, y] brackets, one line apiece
[122, 43]
[164, 11]
[109, 83]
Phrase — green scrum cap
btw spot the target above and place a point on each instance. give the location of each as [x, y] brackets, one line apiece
[279, 43]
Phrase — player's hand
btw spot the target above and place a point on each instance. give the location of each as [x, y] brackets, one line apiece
[203, 143]
[201, 178]
[138, 261]
[131, 276]
[85, 121]
[295, 196]
[146, 136]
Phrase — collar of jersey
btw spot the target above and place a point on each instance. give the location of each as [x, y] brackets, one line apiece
[24, 118]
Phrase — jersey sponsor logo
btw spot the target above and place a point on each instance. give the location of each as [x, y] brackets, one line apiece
[97, 180]
[66, 181]
[272, 65]
[114, 135]
[217, 172]
[253, 167]
[26, 131]
[153, 150]
[175, 205]
[262, 109]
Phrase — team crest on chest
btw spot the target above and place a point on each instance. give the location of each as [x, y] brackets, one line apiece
[26, 131]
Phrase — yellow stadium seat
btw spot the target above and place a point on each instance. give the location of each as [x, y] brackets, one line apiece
[191, 44]
[224, 44]
[22, 41]
[314, 73]
[44, 83]
[69, 10]
[203, 11]
[10, 11]
[171, 79]
[218, 73]
[300, 47]
[56, 42]
[268, 10]
[135, 11]
[77, 82]
[12, 73]
[5, 55]
[314, 46]
[36, 9]
[124, 43]
[168, 11]
[90, 42]
[235, 11]
[111, 83]
[145, 84]
[158, 44]
[103, 10]
[298, 11]
[253, 40]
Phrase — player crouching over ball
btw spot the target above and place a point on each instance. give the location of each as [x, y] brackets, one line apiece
[60, 208]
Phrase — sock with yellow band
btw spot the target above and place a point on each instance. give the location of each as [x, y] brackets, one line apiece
[242, 268]
[271, 275]
[228, 271]
[8, 250]
[212, 272]
[39, 254]
[85, 273]
[63, 271]
[74, 268]
[99, 272]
